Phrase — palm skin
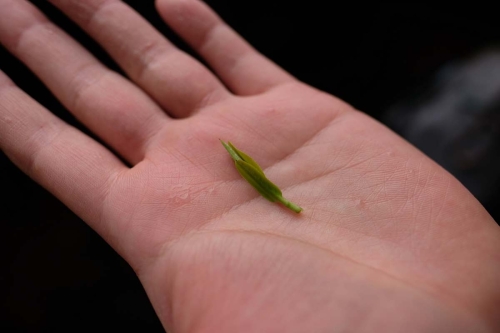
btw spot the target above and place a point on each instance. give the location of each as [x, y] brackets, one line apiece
[378, 220]
[388, 241]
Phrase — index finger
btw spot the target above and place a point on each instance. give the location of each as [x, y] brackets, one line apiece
[244, 70]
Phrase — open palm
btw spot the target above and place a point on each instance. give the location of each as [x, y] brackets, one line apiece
[388, 241]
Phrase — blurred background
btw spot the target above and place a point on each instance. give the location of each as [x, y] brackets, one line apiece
[430, 73]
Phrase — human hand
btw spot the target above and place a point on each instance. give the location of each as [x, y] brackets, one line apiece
[387, 238]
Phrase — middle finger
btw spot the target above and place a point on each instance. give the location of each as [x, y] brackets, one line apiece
[179, 83]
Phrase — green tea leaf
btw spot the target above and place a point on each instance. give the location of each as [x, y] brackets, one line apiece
[246, 158]
[259, 181]
[253, 173]
[231, 151]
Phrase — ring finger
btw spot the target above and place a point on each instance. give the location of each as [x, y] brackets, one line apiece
[112, 107]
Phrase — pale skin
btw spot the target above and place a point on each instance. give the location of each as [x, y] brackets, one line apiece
[388, 241]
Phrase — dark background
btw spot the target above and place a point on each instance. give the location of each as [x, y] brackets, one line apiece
[58, 275]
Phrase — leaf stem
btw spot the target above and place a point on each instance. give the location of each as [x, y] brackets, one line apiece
[289, 204]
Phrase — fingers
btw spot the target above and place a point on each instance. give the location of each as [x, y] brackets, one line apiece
[175, 80]
[241, 68]
[113, 108]
[75, 168]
